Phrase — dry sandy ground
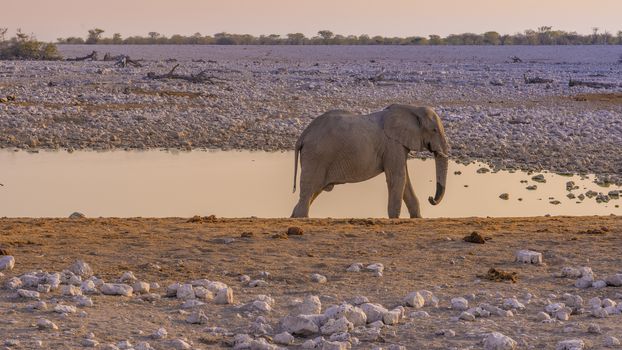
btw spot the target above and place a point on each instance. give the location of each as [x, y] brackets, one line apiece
[417, 254]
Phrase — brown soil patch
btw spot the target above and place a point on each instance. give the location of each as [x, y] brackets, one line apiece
[500, 275]
[475, 237]
[613, 98]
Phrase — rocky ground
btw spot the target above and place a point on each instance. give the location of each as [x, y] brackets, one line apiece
[208, 283]
[262, 97]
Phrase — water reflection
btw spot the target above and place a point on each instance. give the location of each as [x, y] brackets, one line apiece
[243, 184]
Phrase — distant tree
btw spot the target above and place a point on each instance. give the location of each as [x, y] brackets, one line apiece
[492, 38]
[325, 34]
[94, 35]
[435, 40]
[296, 38]
[26, 47]
[3, 33]
[116, 38]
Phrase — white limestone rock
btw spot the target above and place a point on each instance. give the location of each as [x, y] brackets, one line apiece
[203, 293]
[300, 324]
[571, 344]
[88, 287]
[257, 283]
[28, 294]
[611, 342]
[185, 292]
[317, 278]
[71, 290]
[570, 272]
[128, 277]
[529, 257]
[513, 304]
[392, 317]
[339, 325]
[141, 287]
[614, 280]
[599, 284]
[83, 301]
[374, 312]
[81, 268]
[191, 303]
[179, 344]
[414, 299]
[284, 338]
[64, 309]
[13, 283]
[43, 323]
[224, 296]
[197, 317]
[429, 298]
[44, 288]
[171, 290]
[356, 267]
[7, 262]
[116, 289]
[498, 341]
[310, 305]
[161, 333]
[336, 345]
[460, 304]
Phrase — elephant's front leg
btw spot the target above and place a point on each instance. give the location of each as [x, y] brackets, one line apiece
[412, 203]
[396, 180]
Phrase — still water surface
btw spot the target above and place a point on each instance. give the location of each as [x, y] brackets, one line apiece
[244, 184]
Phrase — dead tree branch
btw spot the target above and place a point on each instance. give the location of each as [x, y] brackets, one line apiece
[536, 80]
[516, 59]
[200, 77]
[92, 56]
[123, 61]
[591, 84]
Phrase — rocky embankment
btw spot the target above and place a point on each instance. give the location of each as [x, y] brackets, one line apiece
[262, 98]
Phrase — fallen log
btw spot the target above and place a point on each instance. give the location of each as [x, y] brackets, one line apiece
[536, 80]
[516, 59]
[200, 77]
[92, 56]
[591, 84]
[123, 61]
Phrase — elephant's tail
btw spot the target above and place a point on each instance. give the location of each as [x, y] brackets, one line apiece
[296, 153]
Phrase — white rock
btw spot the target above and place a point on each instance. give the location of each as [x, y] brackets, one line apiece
[613, 280]
[374, 312]
[245, 278]
[392, 317]
[84, 301]
[128, 277]
[552, 308]
[215, 286]
[600, 312]
[317, 278]
[28, 294]
[39, 305]
[82, 269]
[64, 309]
[44, 288]
[171, 290]
[224, 296]
[185, 292]
[418, 314]
[310, 305]
[300, 324]
[141, 287]
[90, 343]
[415, 299]
[512, 304]
[71, 290]
[197, 317]
[161, 333]
[377, 267]
[336, 326]
[572, 344]
[460, 304]
[466, 316]
[88, 287]
[13, 283]
[143, 346]
[179, 344]
[543, 316]
[284, 338]
[124, 344]
[599, 284]
[116, 289]
[356, 267]
[7, 262]
[257, 283]
[30, 280]
[574, 301]
[529, 257]
[43, 323]
[608, 302]
[611, 342]
[498, 341]
[570, 272]
[336, 345]
[191, 303]
[203, 293]
[429, 298]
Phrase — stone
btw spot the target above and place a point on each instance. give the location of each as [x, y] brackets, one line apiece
[571, 344]
[143, 346]
[594, 328]
[429, 298]
[599, 284]
[599, 312]
[128, 277]
[77, 215]
[543, 316]
[257, 283]
[613, 280]
[336, 345]
[529, 257]
[295, 231]
[203, 293]
[179, 344]
[161, 333]
[466, 316]
[513, 304]
[283, 338]
[39, 305]
[224, 296]
[185, 292]
[460, 304]
[28, 294]
[88, 287]
[317, 278]
[611, 342]
[336, 326]
[414, 299]
[374, 312]
[64, 309]
[43, 323]
[191, 303]
[498, 341]
[197, 317]
[116, 289]
[583, 282]
[71, 290]
[124, 344]
[418, 314]
[356, 267]
[300, 324]
[44, 288]
[392, 317]
[570, 272]
[504, 196]
[377, 267]
[7, 262]
[310, 305]
[83, 301]
[81, 268]
[359, 300]
[141, 287]
[90, 343]
[171, 290]
[30, 280]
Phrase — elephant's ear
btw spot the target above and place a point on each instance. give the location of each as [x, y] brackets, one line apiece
[402, 125]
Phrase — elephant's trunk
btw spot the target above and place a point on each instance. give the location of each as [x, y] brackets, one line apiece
[442, 163]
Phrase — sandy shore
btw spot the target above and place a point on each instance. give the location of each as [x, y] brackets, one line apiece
[426, 254]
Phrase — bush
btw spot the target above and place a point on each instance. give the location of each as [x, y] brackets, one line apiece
[26, 47]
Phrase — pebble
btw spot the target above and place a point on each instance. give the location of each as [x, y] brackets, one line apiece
[374, 312]
[571, 344]
[43, 323]
[116, 289]
[81, 268]
[224, 296]
[611, 342]
[197, 317]
[339, 325]
[185, 291]
[64, 309]
[301, 325]
[310, 305]
[529, 257]
[284, 338]
[356, 267]
[7, 262]
[28, 294]
[179, 344]
[460, 304]
[161, 333]
[141, 287]
[317, 278]
[415, 299]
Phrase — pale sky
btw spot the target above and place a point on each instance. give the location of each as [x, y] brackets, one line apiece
[50, 19]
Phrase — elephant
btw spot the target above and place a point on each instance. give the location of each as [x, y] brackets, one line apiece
[341, 147]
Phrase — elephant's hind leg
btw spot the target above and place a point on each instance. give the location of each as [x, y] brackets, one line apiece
[301, 210]
[412, 203]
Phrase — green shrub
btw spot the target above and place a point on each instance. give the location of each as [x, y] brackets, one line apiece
[26, 47]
